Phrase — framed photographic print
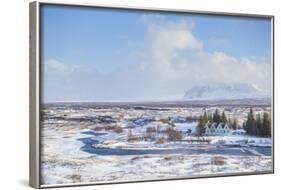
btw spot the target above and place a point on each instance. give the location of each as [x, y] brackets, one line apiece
[133, 94]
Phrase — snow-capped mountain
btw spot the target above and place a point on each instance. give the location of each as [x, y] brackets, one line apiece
[223, 91]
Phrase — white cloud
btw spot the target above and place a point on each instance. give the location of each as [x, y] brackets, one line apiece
[172, 61]
[57, 66]
[175, 54]
[164, 41]
[172, 36]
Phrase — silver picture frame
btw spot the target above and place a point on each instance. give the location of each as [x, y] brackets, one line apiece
[35, 88]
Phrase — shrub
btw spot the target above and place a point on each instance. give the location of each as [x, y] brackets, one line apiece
[75, 178]
[133, 138]
[166, 121]
[151, 130]
[111, 127]
[218, 160]
[114, 128]
[149, 136]
[168, 158]
[136, 158]
[173, 134]
[160, 140]
[118, 130]
[99, 128]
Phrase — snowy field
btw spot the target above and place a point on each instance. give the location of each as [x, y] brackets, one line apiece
[83, 143]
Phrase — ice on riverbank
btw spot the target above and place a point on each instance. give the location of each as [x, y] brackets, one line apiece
[63, 161]
[93, 143]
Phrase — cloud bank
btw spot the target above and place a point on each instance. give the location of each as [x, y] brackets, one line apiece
[172, 61]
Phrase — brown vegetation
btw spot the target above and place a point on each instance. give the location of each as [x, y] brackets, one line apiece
[118, 130]
[161, 140]
[114, 128]
[75, 178]
[218, 160]
[133, 138]
[151, 130]
[173, 134]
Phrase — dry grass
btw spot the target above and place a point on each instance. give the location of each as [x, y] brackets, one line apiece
[218, 161]
[133, 138]
[151, 129]
[75, 178]
[161, 140]
[114, 128]
[173, 134]
[166, 121]
[168, 158]
[136, 158]
[99, 128]
[118, 130]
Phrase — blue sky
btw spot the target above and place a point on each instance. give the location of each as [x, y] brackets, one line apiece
[111, 44]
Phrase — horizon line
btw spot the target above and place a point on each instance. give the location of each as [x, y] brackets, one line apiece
[157, 101]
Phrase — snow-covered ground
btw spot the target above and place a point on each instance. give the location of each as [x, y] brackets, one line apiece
[76, 148]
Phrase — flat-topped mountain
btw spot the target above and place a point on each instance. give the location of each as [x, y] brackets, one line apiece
[222, 91]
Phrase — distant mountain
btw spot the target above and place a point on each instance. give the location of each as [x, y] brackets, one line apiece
[222, 91]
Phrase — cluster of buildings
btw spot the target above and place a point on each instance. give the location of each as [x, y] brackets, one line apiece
[222, 129]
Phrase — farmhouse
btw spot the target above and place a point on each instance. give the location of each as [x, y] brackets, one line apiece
[217, 129]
